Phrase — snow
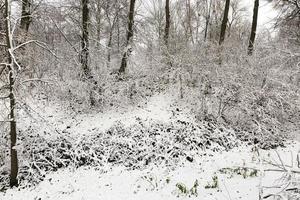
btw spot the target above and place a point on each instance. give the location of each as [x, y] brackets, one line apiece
[158, 108]
[151, 183]
[155, 182]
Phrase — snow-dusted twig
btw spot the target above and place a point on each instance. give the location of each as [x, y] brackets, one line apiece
[281, 170]
[38, 43]
[38, 80]
[3, 68]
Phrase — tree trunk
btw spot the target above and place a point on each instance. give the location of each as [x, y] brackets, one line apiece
[207, 19]
[98, 20]
[25, 15]
[168, 22]
[109, 46]
[129, 37]
[13, 126]
[254, 26]
[84, 57]
[118, 33]
[224, 22]
[118, 27]
[189, 21]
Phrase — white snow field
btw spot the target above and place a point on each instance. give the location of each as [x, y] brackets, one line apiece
[161, 183]
[240, 173]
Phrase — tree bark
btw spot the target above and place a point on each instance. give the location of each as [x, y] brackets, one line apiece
[168, 22]
[84, 57]
[129, 37]
[26, 15]
[109, 46]
[207, 18]
[254, 27]
[98, 20]
[13, 125]
[224, 22]
[189, 21]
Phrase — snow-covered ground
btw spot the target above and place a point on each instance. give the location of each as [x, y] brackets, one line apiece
[159, 108]
[236, 174]
[162, 183]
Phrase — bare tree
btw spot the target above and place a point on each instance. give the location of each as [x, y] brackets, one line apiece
[289, 20]
[189, 21]
[129, 37]
[236, 15]
[168, 22]
[84, 57]
[207, 17]
[26, 15]
[224, 22]
[254, 26]
[98, 22]
[112, 15]
[11, 77]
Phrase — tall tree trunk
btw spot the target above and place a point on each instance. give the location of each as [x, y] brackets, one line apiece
[207, 18]
[224, 22]
[254, 26]
[13, 126]
[118, 33]
[98, 20]
[118, 26]
[26, 15]
[189, 21]
[168, 22]
[129, 37]
[84, 57]
[109, 45]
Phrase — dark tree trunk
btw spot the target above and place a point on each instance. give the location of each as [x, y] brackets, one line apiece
[84, 57]
[109, 46]
[26, 15]
[167, 32]
[13, 125]
[129, 37]
[224, 22]
[168, 22]
[253, 29]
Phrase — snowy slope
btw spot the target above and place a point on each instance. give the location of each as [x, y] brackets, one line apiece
[158, 182]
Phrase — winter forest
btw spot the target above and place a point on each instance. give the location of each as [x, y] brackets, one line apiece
[149, 99]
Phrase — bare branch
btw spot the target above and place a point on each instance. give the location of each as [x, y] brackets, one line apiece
[24, 44]
[2, 98]
[65, 37]
[38, 80]
[2, 69]
[38, 43]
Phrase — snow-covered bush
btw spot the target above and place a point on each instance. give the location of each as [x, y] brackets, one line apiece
[256, 95]
[137, 146]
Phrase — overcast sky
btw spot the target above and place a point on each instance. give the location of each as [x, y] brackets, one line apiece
[267, 14]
